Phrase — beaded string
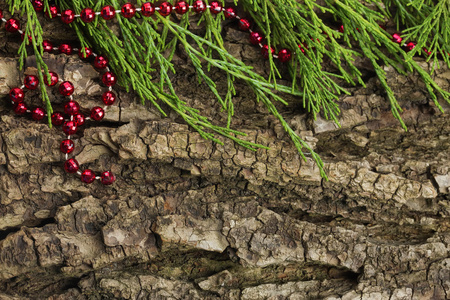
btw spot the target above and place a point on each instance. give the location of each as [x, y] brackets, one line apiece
[127, 10]
[71, 108]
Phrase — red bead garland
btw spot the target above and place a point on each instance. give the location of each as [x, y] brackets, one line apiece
[71, 165]
[66, 88]
[181, 7]
[67, 16]
[31, 82]
[57, 119]
[88, 176]
[108, 178]
[16, 95]
[199, 6]
[38, 114]
[67, 146]
[87, 15]
[53, 79]
[71, 107]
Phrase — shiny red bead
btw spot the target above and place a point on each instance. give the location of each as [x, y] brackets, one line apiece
[1, 14]
[229, 13]
[100, 62]
[87, 15]
[244, 24]
[284, 55]
[20, 108]
[108, 98]
[16, 95]
[147, 9]
[341, 29]
[199, 6]
[57, 119]
[30, 38]
[79, 119]
[396, 38]
[215, 7]
[69, 127]
[97, 113]
[71, 108]
[109, 79]
[255, 38]
[38, 5]
[165, 9]
[107, 178]
[52, 11]
[53, 79]
[31, 82]
[87, 53]
[12, 25]
[66, 88]
[265, 51]
[427, 52]
[66, 49]
[38, 113]
[302, 47]
[88, 176]
[128, 10]
[47, 45]
[67, 16]
[410, 46]
[67, 146]
[181, 7]
[108, 12]
[71, 165]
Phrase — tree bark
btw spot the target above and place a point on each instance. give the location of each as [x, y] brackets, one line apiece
[191, 219]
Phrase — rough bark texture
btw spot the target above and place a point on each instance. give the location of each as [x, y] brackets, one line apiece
[191, 219]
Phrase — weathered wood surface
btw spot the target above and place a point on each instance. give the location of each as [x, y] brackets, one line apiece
[191, 219]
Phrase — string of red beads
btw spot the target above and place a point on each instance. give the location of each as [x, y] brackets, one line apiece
[72, 108]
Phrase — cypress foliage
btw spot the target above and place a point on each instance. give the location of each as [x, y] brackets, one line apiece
[143, 50]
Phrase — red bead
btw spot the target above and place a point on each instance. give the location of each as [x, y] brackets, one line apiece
[230, 13]
[88, 176]
[165, 9]
[215, 7]
[30, 38]
[181, 7]
[16, 95]
[53, 79]
[100, 62]
[147, 9]
[67, 16]
[71, 165]
[79, 119]
[199, 6]
[396, 38]
[66, 88]
[409, 46]
[87, 53]
[57, 119]
[20, 108]
[31, 82]
[109, 79]
[255, 38]
[302, 47]
[38, 5]
[67, 146]
[71, 108]
[244, 24]
[265, 51]
[38, 113]
[426, 51]
[69, 127]
[87, 15]
[108, 12]
[47, 45]
[108, 98]
[97, 113]
[107, 178]
[128, 10]
[12, 25]
[284, 55]
[341, 29]
[1, 14]
[66, 49]
[52, 11]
